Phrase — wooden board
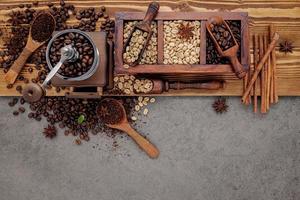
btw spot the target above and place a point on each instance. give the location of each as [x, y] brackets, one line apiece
[285, 15]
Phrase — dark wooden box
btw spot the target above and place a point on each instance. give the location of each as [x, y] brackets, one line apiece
[182, 71]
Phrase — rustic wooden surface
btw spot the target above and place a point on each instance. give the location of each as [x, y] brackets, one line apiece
[285, 15]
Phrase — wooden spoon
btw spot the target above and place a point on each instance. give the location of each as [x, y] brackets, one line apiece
[145, 26]
[230, 53]
[31, 46]
[123, 125]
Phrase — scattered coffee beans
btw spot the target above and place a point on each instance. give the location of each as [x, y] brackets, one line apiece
[130, 85]
[83, 47]
[141, 104]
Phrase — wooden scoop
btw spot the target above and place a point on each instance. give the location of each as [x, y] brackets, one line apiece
[230, 53]
[31, 46]
[145, 26]
[123, 125]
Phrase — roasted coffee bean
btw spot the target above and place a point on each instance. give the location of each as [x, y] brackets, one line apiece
[21, 109]
[11, 104]
[57, 89]
[19, 88]
[20, 78]
[67, 132]
[61, 125]
[15, 100]
[9, 86]
[22, 101]
[15, 113]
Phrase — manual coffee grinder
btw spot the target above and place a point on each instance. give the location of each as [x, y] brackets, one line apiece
[89, 84]
[92, 83]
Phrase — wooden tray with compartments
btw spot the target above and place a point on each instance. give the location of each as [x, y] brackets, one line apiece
[201, 70]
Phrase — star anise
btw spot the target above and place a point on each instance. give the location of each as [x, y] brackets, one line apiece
[286, 47]
[220, 105]
[50, 131]
[103, 111]
[185, 31]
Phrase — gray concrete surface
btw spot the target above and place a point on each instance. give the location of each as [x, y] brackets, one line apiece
[204, 156]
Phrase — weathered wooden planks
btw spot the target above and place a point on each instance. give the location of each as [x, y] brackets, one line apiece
[285, 15]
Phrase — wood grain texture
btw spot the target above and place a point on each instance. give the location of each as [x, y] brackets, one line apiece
[284, 14]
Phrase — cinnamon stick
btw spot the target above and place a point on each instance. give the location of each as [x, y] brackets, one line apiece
[248, 81]
[271, 72]
[255, 62]
[273, 63]
[269, 82]
[245, 82]
[266, 71]
[260, 66]
[263, 79]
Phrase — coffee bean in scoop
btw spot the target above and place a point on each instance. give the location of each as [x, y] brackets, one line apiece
[222, 35]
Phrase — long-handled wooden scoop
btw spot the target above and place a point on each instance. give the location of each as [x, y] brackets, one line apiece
[123, 125]
[30, 47]
[231, 52]
[145, 26]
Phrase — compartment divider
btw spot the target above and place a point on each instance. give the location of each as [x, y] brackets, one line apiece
[160, 41]
[203, 43]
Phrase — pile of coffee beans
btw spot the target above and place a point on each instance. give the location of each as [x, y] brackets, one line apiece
[222, 35]
[82, 45]
[110, 112]
[43, 27]
[14, 46]
[212, 55]
[135, 46]
[150, 54]
[20, 17]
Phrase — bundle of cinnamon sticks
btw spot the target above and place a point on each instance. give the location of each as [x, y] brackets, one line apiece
[262, 80]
